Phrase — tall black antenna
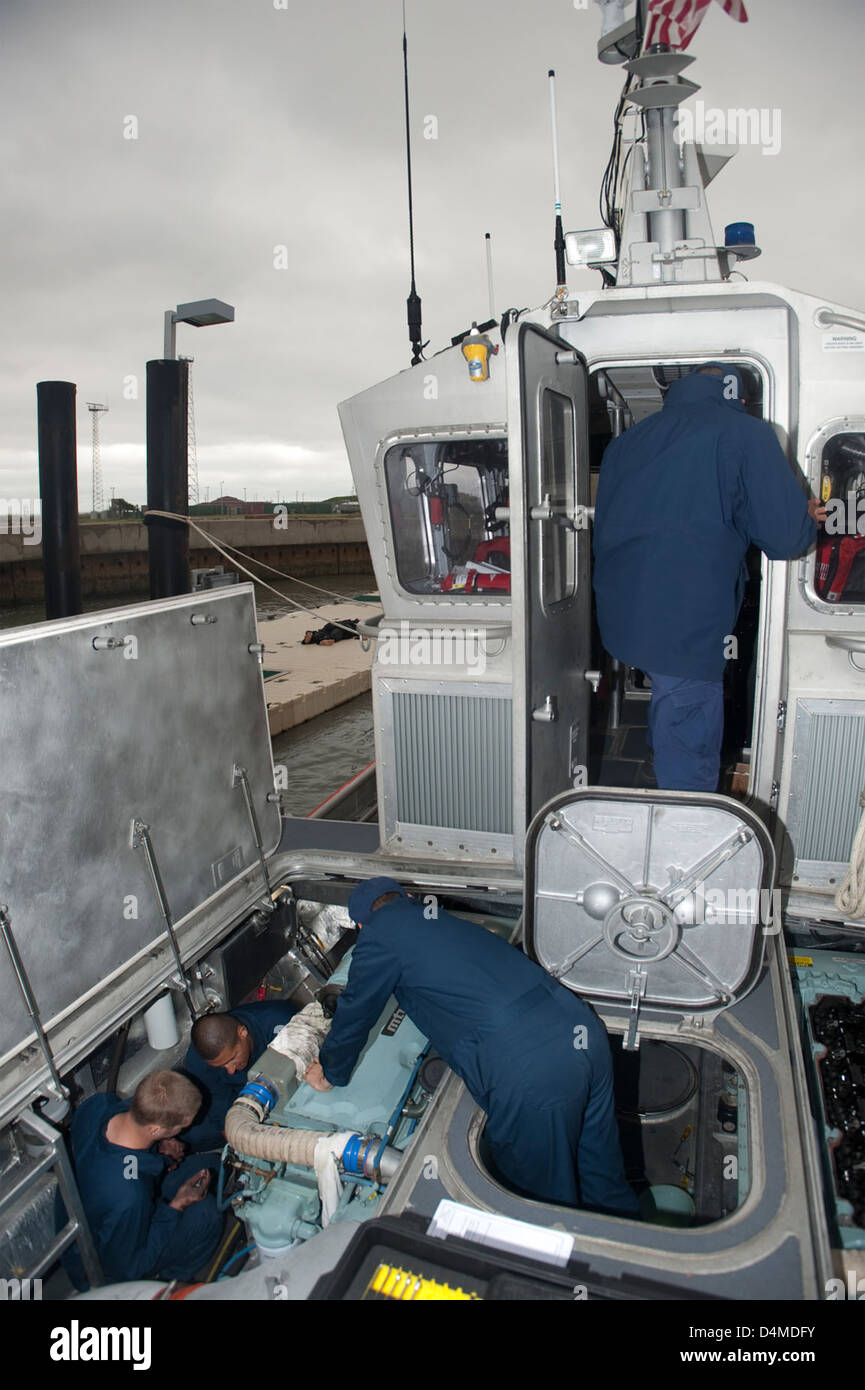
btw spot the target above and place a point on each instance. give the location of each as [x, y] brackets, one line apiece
[413, 302]
[559, 240]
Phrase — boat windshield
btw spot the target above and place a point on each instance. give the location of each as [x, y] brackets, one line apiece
[443, 497]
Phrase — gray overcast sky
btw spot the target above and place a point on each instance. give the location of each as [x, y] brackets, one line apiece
[261, 126]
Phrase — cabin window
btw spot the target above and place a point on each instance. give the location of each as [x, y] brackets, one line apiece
[443, 496]
[558, 492]
[839, 575]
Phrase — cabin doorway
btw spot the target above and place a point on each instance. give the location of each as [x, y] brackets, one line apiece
[620, 396]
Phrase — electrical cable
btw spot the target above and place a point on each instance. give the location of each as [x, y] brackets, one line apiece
[223, 1274]
[223, 1251]
[642, 29]
[614, 174]
[609, 178]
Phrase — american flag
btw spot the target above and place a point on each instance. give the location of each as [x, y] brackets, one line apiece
[676, 21]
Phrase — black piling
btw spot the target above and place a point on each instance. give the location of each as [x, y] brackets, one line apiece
[168, 476]
[58, 490]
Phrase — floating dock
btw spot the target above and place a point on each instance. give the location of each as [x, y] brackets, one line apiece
[304, 681]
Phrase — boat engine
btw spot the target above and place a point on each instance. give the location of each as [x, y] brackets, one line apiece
[298, 1158]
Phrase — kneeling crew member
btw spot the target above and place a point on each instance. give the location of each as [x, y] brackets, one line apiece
[221, 1050]
[512, 1033]
[150, 1214]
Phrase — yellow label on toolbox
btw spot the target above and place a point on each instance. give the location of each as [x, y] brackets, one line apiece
[389, 1281]
[800, 960]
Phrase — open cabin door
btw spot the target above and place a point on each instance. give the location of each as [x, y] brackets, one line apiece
[548, 429]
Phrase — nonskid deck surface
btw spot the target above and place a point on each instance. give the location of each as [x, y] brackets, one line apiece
[622, 757]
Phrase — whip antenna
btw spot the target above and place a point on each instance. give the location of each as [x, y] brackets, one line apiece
[489, 244]
[559, 242]
[413, 304]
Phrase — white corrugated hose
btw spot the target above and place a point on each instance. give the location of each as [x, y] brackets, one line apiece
[850, 898]
[302, 1037]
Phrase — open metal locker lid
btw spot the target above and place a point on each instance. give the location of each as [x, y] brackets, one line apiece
[656, 901]
[136, 762]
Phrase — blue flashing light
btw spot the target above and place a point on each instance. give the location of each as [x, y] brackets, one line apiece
[739, 234]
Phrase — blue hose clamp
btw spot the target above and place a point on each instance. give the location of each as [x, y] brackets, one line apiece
[355, 1154]
[262, 1091]
[349, 1153]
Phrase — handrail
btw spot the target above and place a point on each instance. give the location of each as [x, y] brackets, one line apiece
[825, 318]
[342, 793]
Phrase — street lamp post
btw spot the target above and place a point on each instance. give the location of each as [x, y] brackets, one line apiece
[201, 313]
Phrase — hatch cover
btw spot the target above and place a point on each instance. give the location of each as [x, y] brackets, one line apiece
[660, 901]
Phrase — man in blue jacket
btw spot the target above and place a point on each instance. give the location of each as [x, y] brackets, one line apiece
[222, 1048]
[681, 496]
[533, 1055]
[150, 1214]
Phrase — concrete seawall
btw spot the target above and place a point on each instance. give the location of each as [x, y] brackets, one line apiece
[114, 553]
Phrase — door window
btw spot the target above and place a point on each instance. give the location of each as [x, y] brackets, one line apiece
[558, 493]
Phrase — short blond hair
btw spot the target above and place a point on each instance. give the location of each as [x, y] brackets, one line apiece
[167, 1099]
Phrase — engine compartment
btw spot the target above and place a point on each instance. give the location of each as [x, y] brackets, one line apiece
[280, 1201]
[682, 1109]
[691, 1109]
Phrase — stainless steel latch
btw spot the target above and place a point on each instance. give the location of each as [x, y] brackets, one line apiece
[637, 980]
[548, 712]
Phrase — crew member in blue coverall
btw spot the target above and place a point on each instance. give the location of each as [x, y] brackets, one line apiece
[681, 496]
[222, 1047]
[533, 1055]
[149, 1212]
